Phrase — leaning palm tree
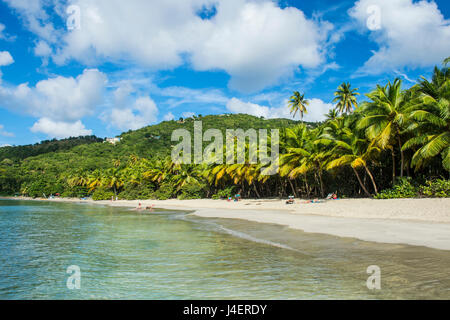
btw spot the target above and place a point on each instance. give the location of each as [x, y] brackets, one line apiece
[313, 158]
[294, 144]
[349, 149]
[298, 103]
[345, 97]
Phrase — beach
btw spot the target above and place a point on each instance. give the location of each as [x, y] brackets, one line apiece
[419, 222]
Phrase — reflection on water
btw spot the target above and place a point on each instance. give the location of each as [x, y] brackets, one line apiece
[169, 255]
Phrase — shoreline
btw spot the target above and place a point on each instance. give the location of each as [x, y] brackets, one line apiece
[418, 222]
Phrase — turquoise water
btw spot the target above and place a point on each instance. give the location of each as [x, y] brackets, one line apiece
[125, 254]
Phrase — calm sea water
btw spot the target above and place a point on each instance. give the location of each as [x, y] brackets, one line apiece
[124, 254]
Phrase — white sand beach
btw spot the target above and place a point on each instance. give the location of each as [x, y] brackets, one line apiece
[420, 222]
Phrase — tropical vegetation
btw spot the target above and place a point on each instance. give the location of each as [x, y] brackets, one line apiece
[394, 143]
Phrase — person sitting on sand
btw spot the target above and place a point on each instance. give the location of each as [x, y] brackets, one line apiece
[290, 200]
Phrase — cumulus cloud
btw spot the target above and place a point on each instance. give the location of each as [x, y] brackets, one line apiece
[59, 98]
[142, 113]
[169, 116]
[256, 42]
[187, 114]
[316, 109]
[5, 58]
[60, 129]
[411, 34]
[59, 102]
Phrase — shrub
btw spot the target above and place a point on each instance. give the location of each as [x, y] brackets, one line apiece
[402, 189]
[192, 191]
[76, 192]
[224, 193]
[102, 194]
[165, 191]
[143, 191]
[439, 188]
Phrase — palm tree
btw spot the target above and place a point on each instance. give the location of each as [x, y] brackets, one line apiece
[113, 179]
[431, 126]
[95, 180]
[346, 98]
[294, 144]
[186, 174]
[298, 103]
[313, 158]
[386, 117]
[332, 114]
[446, 61]
[349, 149]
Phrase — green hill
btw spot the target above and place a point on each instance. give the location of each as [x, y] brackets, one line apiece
[51, 160]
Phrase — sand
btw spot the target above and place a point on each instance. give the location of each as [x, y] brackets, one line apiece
[420, 222]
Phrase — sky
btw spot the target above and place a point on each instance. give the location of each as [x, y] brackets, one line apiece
[102, 67]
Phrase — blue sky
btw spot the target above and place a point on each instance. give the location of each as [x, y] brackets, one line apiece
[102, 67]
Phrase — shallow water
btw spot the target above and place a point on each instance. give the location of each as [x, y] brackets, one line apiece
[125, 254]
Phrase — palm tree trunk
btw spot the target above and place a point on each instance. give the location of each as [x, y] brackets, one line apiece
[361, 183]
[372, 179]
[293, 188]
[393, 166]
[306, 185]
[256, 190]
[321, 184]
[401, 155]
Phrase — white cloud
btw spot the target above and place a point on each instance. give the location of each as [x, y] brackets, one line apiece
[35, 17]
[169, 116]
[5, 133]
[5, 145]
[60, 129]
[412, 34]
[5, 58]
[59, 98]
[143, 112]
[316, 109]
[187, 114]
[42, 49]
[256, 42]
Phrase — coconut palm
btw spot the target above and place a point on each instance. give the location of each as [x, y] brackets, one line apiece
[294, 144]
[332, 114]
[386, 117]
[113, 179]
[431, 126]
[351, 150]
[298, 103]
[345, 97]
[446, 61]
[313, 158]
